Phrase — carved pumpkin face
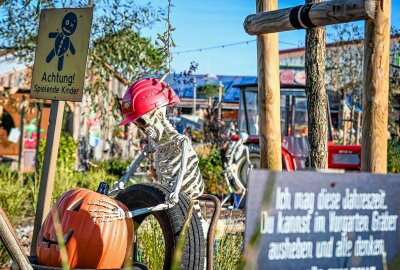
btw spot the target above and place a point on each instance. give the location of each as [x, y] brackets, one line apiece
[90, 242]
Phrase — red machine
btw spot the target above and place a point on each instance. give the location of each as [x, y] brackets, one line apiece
[294, 131]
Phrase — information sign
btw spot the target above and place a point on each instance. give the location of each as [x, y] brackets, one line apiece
[61, 52]
[323, 221]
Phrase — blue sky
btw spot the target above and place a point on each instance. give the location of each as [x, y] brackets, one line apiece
[207, 23]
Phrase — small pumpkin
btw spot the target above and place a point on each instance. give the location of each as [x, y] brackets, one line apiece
[97, 243]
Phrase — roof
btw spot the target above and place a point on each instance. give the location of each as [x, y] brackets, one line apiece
[231, 92]
[232, 85]
[393, 38]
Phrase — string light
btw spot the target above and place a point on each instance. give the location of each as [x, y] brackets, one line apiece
[228, 45]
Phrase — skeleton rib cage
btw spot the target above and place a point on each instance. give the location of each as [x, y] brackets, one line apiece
[168, 158]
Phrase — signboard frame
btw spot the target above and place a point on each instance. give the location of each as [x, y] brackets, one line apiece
[271, 202]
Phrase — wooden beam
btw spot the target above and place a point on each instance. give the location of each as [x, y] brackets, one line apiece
[317, 99]
[309, 16]
[12, 244]
[376, 90]
[269, 94]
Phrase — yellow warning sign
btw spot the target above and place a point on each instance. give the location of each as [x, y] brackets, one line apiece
[61, 52]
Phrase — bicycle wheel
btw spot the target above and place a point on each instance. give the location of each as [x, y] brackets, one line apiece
[171, 223]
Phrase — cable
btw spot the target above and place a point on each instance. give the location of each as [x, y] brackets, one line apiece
[227, 45]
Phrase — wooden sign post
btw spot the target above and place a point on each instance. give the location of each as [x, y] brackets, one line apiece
[376, 63]
[58, 74]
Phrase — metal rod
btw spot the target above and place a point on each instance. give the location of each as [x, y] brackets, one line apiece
[211, 230]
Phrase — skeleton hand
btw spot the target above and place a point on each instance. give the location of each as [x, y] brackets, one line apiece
[118, 186]
[107, 211]
[172, 198]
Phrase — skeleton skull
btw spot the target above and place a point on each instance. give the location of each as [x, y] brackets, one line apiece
[152, 123]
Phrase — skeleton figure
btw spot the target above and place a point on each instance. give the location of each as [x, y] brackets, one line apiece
[176, 162]
[233, 154]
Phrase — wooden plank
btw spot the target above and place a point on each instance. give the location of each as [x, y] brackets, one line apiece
[317, 99]
[269, 94]
[308, 16]
[49, 168]
[11, 242]
[376, 90]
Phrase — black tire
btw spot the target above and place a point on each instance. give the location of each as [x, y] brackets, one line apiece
[171, 222]
[244, 168]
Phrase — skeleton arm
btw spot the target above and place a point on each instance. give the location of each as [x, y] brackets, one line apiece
[248, 156]
[120, 184]
[173, 197]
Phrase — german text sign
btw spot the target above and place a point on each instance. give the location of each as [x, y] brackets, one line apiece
[323, 221]
[61, 51]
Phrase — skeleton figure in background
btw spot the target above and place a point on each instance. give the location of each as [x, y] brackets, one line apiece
[176, 163]
[233, 154]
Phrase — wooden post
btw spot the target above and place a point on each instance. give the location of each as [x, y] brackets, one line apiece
[49, 168]
[352, 114]
[21, 138]
[269, 94]
[220, 88]
[194, 95]
[317, 100]
[358, 128]
[376, 90]
[219, 117]
[293, 116]
[39, 124]
[309, 16]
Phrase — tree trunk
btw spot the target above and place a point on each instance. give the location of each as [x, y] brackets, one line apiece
[316, 97]
[269, 94]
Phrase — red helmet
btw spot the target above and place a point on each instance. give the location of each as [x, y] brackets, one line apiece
[144, 96]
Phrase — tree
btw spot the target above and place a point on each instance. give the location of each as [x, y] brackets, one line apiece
[208, 90]
[116, 48]
[345, 67]
[317, 99]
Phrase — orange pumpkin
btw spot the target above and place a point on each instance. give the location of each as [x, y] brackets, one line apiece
[95, 243]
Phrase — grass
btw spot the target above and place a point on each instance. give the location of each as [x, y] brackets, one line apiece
[229, 246]
[150, 244]
[14, 196]
[18, 198]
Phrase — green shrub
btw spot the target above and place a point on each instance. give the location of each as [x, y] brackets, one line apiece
[115, 166]
[212, 172]
[393, 156]
[66, 153]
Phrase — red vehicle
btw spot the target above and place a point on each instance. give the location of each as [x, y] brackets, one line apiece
[294, 131]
